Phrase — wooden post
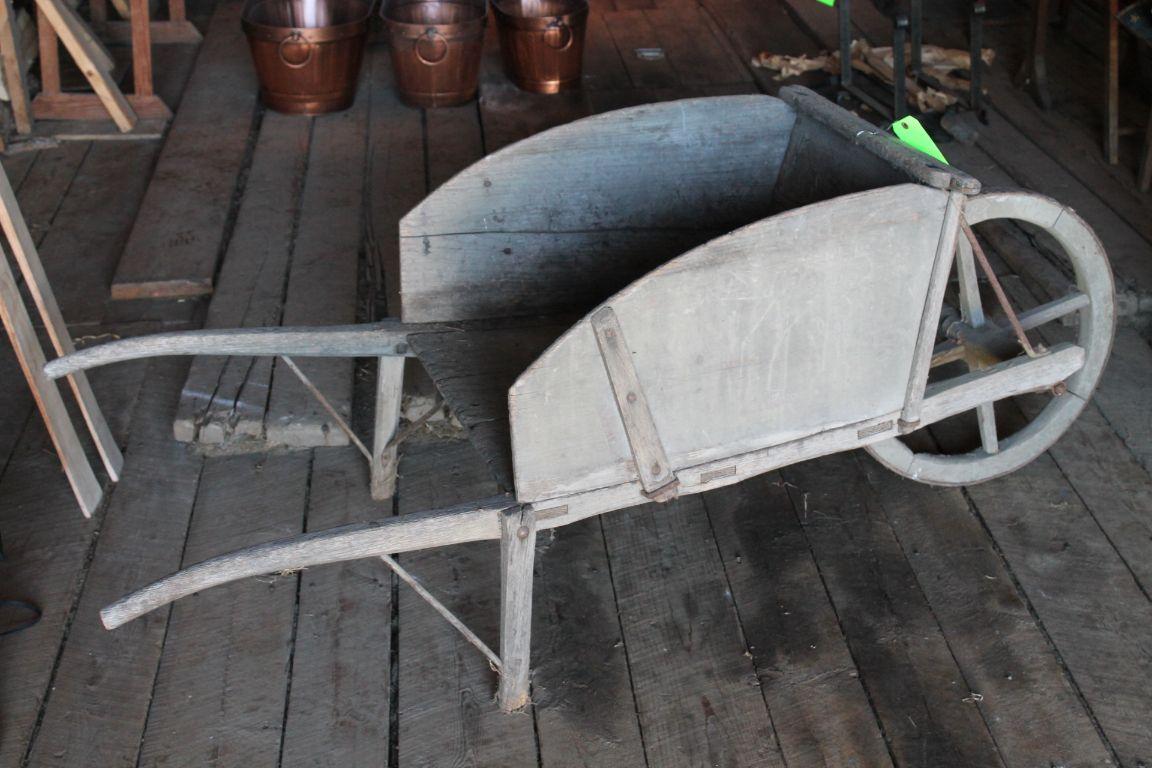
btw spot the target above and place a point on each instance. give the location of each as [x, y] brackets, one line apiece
[141, 48]
[389, 392]
[49, 55]
[14, 69]
[517, 552]
[1112, 123]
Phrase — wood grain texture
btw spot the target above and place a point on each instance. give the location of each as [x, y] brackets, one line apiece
[448, 713]
[517, 552]
[223, 675]
[756, 301]
[88, 231]
[226, 396]
[1029, 704]
[338, 708]
[473, 521]
[30, 355]
[581, 691]
[396, 176]
[23, 249]
[1080, 588]
[100, 698]
[620, 166]
[175, 243]
[46, 549]
[916, 688]
[810, 682]
[363, 340]
[323, 276]
[473, 370]
[692, 677]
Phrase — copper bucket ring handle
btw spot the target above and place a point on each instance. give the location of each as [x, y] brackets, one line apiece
[566, 35]
[432, 35]
[295, 37]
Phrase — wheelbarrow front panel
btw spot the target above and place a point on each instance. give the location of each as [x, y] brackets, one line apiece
[562, 220]
[792, 326]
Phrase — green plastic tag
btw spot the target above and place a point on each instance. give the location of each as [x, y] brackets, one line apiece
[829, 3]
[909, 131]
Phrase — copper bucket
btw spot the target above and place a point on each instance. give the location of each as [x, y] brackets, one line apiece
[436, 46]
[307, 52]
[542, 42]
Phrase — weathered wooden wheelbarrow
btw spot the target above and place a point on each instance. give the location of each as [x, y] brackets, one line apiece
[755, 281]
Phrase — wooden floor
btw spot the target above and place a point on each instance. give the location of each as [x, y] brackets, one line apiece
[829, 614]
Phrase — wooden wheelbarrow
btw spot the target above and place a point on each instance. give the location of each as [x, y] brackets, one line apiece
[671, 298]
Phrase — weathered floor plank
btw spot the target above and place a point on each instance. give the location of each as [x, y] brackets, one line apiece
[693, 678]
[173, 249]
[97, 707]
[221, 687]
[447, 712]
[338, 707]
[322, 278]
[924, 703]
[1029, 704]
[581, 689]
[224, 396]
[811, 684]
[46, 545]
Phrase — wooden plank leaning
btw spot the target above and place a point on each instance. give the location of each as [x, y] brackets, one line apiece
[23, 249]
[23, 336]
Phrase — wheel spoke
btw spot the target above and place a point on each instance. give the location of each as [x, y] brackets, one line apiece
[986, 416]
[971, 309]
[1053, 310]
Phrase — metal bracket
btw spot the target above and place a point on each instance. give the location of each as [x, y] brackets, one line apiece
[652, 465]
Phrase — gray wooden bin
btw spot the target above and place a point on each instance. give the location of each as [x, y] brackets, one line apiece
[670, 298]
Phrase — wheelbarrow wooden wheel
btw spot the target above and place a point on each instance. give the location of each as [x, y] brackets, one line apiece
[1090, 296]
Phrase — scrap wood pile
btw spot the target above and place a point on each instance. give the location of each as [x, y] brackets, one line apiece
[944, 75]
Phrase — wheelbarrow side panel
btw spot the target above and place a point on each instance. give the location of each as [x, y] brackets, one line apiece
[564, 219]
[790, 327]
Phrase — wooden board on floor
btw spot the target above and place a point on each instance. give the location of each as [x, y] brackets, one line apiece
[322, 279]
[397, 180]
[227, 655]
[46, 548]
[1029, 704]
[338, 709]
[1063, 561]
[581, 688]
[810, 682]
[108, 676]
[692, 672]
[920, 695]
[89, 230]
[176, 241]
[226, 397]
[447, 713]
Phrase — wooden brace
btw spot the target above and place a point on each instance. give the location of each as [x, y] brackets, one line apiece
[656, 476]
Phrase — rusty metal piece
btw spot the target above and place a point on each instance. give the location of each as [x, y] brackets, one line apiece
[1001, 296]
[542, 42]
[1060, 389]
[307, 54]
[436, 47]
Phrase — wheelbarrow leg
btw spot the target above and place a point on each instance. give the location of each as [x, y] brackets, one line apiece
[517, 550]
[389, 391]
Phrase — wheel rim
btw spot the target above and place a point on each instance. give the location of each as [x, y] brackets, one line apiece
[1096, 322]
